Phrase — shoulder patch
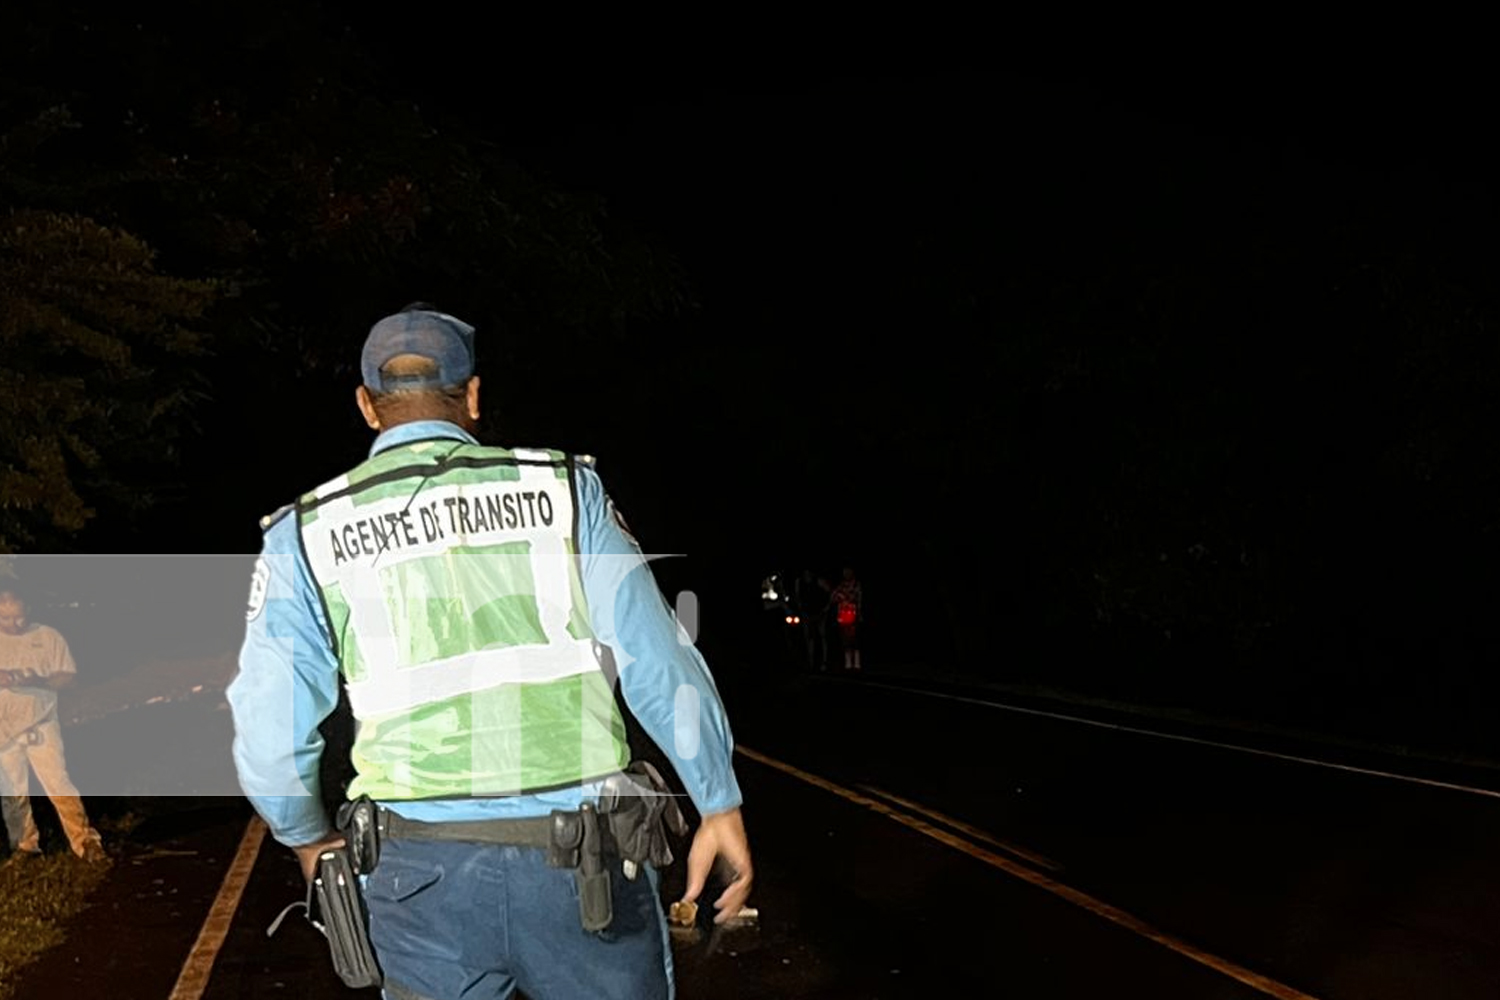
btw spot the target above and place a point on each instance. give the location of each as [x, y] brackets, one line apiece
[274, 516]
[260, 583]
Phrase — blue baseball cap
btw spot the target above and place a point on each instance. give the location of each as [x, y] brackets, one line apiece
[445, 340]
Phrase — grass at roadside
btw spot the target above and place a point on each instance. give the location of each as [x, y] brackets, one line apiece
[37, 898]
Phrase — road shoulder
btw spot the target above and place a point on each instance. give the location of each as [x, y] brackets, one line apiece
[141, 922]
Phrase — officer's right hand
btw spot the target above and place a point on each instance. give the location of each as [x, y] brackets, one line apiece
[721, 836]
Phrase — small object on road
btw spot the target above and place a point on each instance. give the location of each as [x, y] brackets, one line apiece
[743, 929]
[747, 917]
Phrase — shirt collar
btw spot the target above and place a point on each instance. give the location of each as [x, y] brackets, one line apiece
[419, 430]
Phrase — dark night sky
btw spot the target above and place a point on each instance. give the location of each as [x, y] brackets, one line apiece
[792, 188]
[830, 200]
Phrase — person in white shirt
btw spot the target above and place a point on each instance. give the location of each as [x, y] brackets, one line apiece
[35, 664]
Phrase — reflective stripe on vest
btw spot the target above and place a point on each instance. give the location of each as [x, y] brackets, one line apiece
[450, 579]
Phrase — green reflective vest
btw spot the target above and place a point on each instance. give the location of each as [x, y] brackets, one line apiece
[449, 577]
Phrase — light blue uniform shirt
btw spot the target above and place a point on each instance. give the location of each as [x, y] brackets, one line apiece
[288, 679]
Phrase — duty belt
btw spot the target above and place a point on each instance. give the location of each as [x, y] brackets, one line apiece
[526, 832]
[577, 839]
[632, 823]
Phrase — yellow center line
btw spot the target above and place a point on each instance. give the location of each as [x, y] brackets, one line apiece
[970, 831]
[193, 979]
[1255, 980]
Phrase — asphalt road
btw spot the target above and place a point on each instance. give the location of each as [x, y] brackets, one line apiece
[909, 843]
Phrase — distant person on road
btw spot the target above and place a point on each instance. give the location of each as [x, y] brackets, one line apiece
[35, 664]
[811, 595]
[849, 603]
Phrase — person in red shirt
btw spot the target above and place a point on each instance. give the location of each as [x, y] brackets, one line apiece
[848, 608]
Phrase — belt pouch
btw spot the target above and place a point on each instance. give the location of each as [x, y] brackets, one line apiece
[567, 836]
[596, 909]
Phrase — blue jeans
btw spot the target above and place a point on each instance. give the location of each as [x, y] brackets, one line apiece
[457, 921]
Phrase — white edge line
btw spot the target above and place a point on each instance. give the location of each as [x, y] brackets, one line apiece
[1099, 908]
[1190, 739]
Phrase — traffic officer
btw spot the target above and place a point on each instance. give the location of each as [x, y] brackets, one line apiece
[467, 595]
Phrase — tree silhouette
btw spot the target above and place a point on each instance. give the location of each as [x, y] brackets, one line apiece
[264, 152]
[97, 379]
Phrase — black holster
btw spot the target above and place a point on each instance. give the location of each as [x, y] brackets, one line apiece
[633, 822]
[335, 903]
[338, 911]
[580, 842]
[595, 899]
